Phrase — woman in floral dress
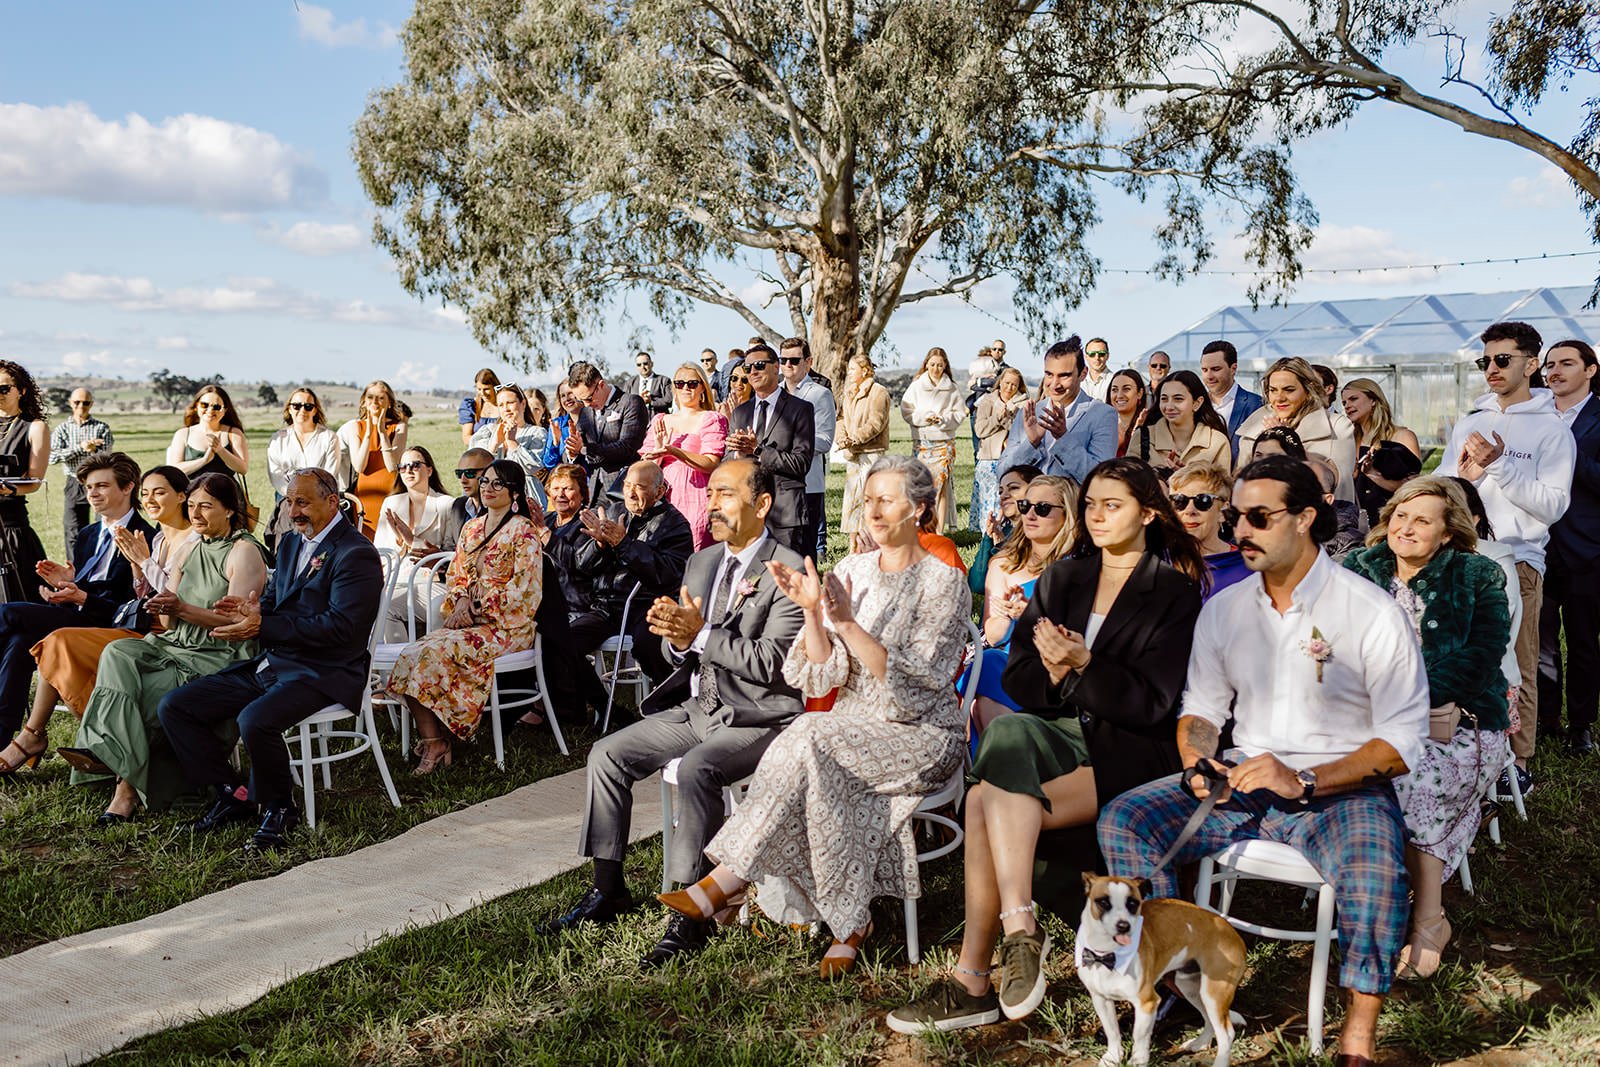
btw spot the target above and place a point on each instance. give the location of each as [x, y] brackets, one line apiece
[826, 825]
[491, 595]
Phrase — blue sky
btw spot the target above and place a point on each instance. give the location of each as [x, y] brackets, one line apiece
[176, 190]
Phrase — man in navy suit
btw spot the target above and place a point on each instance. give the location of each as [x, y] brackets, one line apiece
[1219, 364]
[314, 625]
[88, 596]
[1572, 563]
[778, 430]
[611, 427]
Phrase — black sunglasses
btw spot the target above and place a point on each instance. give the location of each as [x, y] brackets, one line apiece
[791, 361]
[1258, 518]
[469, 472]
[1201, 501]
[1043, 510]
[202, 406]
[739, 379]
[1502, 361]
[758, 364]
[299, 405]
[690, 384]
[414, 465]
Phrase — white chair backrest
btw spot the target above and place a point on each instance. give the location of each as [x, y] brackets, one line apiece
[425, 569]
[391, 578]
[970, 693]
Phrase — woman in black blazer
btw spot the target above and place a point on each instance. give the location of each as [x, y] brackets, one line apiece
[1097, 663]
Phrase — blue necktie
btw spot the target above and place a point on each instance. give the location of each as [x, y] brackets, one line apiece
[87, 572]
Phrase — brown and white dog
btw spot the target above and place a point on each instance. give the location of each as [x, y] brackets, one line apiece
[1127, 944]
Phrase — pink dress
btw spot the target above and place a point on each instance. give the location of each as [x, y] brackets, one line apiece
[686, 487]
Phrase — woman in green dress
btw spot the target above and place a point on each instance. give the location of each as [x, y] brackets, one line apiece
[120, 733]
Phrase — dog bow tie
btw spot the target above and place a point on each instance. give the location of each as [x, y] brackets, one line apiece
[1108, 960]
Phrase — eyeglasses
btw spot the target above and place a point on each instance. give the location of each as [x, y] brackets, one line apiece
[791, 361]
[758, 364]
[1099, 352]
[1502, 361]
[297, 405]
[1257, 518]
[692, 383]
[465, 473]
[1201, 501]
[1034, 507]
[491, 484]
[414, 465]
[203, 406]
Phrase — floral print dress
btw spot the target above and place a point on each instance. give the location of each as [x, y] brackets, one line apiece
[449, 671]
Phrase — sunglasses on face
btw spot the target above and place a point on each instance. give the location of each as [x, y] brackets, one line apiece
[1502, 361]
[203, 406]
[74, 403]
[690, 384]
[296, 405]
[1034, 507]
[791, 361]
[414, 465]
[741, 379]
[1097, 352]
[465, 473]
[758, 364]
[1258, 518]
[708, 362]
[1201, 501]
[1162, 367]
[492, 484]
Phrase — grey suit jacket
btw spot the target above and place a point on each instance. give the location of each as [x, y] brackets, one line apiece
[748, 650]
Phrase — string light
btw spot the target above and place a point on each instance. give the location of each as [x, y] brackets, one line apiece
[1377, 269]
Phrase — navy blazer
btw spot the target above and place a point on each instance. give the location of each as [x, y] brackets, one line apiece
[1244, 405]
[1575, 538]
[116, 588]
[785, 449]
[316, 625]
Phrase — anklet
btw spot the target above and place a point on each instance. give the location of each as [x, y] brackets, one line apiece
[1028, 907]
[975, 974]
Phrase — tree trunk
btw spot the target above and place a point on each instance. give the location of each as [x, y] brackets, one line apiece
[836, 277]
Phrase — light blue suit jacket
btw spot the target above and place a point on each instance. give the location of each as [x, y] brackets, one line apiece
[1090, 438]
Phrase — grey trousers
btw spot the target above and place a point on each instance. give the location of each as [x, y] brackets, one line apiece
[714, 755]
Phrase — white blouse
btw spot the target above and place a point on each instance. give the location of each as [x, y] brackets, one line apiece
[434, 527]
[286, 454]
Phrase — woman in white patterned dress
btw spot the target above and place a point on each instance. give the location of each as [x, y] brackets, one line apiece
[826, 825]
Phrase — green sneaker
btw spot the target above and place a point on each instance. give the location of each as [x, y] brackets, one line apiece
[945, 1006]
[1022, 959]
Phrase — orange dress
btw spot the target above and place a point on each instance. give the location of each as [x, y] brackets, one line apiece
[69, 660]
[374, 484]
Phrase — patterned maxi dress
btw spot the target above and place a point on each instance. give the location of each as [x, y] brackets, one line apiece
[826, 825]
[449, 671]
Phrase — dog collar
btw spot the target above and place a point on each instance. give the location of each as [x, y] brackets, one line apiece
[1118, 959]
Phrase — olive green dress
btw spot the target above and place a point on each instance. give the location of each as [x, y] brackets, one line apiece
[120, 725]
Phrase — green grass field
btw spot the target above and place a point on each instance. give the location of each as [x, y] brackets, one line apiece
[1519, 985]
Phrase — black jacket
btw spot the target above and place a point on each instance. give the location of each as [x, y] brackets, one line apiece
[116, 588]
[1575, 537]
[576, 585]
[612, 436]
[785, 449]
[655, 550]
[1128, 696]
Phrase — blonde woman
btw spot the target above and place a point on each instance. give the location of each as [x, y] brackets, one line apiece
[1043, 532]
[933, 408]
[862, 434]
[1386, 454]
[1295, 399]
[991, 424]
[304, 441]
[373, 443]
[688, 442]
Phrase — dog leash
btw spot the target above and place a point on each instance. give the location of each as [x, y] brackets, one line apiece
[1215, 772]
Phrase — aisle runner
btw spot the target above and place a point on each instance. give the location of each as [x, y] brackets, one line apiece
[77, 998]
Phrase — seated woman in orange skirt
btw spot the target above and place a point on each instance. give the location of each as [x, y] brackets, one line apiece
[68, 658]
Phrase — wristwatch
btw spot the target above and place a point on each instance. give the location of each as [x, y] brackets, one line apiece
[1308, 780]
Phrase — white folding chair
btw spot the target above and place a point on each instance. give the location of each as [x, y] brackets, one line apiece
[731, 795]
[620, 649]
[520, 698]
[1273, 861]
[419, 586]
[326, 726]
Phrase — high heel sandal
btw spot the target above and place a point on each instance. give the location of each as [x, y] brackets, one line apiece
[427, 761]
[29, 759]
[1421, 956]
[840, 959]
[681, 902]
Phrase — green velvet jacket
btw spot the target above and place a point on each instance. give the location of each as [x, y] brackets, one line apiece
[1465, 626]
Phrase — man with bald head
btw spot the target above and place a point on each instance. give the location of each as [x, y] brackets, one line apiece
[74, 441]
[644, 540]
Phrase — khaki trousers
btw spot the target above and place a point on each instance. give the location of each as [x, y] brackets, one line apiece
[1530, 584]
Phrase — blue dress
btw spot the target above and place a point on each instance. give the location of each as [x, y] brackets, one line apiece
[994, 665]
[1227, 568]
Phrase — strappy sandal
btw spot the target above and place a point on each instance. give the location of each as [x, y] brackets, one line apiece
[840, 959]
[680, 900]
[427, 759]
[29, 759]
[1420, 958]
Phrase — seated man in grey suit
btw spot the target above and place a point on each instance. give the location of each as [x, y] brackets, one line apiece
[728, 633]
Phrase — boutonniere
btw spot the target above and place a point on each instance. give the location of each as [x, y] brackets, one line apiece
[1318, 649]
[742, 592]
[316, 563]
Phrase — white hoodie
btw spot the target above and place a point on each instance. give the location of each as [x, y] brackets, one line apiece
[1529, 487]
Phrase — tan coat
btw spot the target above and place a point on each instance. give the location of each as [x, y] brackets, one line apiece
[1321, 435]
[863, 420]
[1205, 446]
[993, 421]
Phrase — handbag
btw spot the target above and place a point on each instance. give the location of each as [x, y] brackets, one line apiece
[1442, 722]
[131, 615]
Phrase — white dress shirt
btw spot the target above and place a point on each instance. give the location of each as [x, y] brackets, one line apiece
[1570, 415]
[1250, 661]
[309, 549]
[1225, 405]
[740, 561]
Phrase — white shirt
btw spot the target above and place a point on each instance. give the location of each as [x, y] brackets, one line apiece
[309, 549]
[102, 568]
[1096, 387]
[1250, 661]
[1091, 631]
[1225, 405]
[285, 454]
[1570, 415]
[740, 562]
[825, 417]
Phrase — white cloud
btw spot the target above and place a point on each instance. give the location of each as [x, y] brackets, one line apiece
[1548, 187]
[174, 343]
[189, 160]
[416, 376]
[451, 313]
[315, 238]
[101, 362]
[322, 26]
[236, 296]
[1376, 253]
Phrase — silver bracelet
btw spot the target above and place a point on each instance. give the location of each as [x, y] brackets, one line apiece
[975, 974]
[1028, 907]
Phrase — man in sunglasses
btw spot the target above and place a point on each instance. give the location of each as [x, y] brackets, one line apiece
[1066, 432]
[1514, 447]
[76, 439]
[611, 427]
[1097, 372]
[779, 430]
[469, 505]
[794, 366]
[654, 389]
[1322, 675]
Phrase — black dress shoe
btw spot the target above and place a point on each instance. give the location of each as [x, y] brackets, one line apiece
[274, 831]
[225, 810]
[112, 818]
[595, 907]
[684, 937]
[1581, 743]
